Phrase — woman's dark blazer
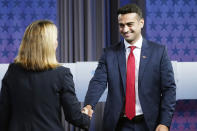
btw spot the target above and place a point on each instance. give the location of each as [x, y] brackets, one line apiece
[32, 101]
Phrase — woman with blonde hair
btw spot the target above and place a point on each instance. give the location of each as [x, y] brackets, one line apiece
[36, 86]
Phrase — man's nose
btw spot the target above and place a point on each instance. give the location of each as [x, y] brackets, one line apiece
[125, 29]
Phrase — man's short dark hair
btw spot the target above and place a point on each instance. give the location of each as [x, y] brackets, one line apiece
[130, 8]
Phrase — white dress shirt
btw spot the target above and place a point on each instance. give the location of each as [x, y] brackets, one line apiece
[137, 53]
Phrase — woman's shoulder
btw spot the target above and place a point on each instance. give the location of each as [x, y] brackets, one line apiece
[63, 69]
[13, 66]
[59, 68]
[63, 74]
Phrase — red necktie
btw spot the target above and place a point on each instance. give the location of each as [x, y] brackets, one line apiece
[130, 86]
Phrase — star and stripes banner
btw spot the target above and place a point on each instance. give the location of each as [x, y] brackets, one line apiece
[185, 116]
[168, 22]
[173, 23]
[15, 16]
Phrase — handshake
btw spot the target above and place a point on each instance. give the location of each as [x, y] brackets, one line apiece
[87, 110]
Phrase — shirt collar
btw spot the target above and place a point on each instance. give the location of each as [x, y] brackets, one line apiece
[137, 44]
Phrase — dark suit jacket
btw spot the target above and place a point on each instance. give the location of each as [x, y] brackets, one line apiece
[32, 101]
[156, 85]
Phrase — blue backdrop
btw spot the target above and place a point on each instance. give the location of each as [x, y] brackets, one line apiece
[15, 15]
[169, 22]
[174, 23]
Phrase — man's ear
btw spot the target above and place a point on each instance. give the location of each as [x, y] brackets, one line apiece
[142, 23]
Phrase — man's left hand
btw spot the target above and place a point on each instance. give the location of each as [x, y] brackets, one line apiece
[161, 127]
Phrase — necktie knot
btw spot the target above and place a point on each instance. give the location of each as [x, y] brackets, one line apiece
[132, 48]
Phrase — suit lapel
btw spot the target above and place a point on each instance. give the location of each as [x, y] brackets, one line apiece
[122, 63]
[144, 58]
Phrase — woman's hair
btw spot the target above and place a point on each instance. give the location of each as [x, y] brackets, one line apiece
[38, 47]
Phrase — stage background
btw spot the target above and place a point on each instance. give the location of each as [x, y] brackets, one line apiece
[87, 26]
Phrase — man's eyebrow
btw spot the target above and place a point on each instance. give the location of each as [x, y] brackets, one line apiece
[130, 22]
[126, 23]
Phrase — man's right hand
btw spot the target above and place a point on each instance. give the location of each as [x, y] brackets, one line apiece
[87, 110]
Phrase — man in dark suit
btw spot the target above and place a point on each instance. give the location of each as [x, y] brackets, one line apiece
[139, 75]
